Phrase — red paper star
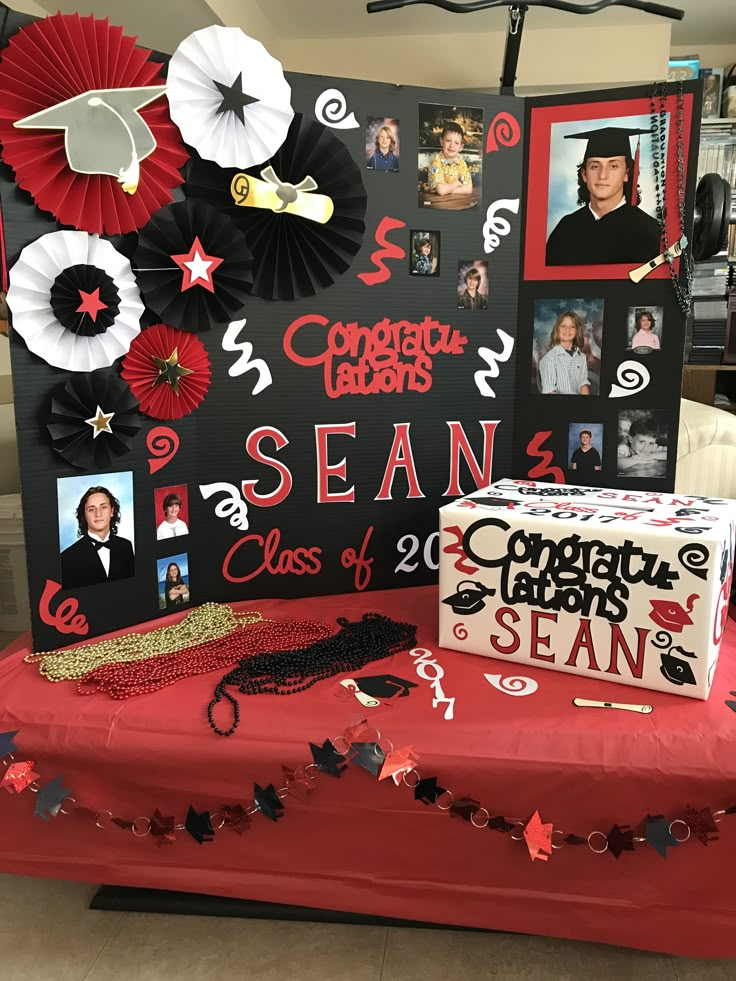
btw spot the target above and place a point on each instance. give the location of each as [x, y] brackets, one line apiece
[197, 267]
[538, 837]
[18, 776]
[91, 303]
[399, 762]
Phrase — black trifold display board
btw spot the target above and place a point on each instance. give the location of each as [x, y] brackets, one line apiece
[440, 358]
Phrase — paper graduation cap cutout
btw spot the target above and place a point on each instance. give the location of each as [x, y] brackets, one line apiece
[675, 670]
[74, 301]
[83, 124]
[50, 798]
[194, 266]
[469, 597]
[327, 759]
[296, 252]
[671, 615]
[168, 372]
[93, 419]
[104, 132]
[229, 97]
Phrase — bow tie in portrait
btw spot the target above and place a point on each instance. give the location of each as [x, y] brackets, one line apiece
[99, 545]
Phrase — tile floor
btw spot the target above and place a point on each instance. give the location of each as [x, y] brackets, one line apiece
[47, 933]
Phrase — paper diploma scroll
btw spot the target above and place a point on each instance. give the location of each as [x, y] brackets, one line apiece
[636, 275]
[280, 196]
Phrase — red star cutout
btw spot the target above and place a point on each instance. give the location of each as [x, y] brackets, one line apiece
[18, 776]
[197, 267]
[91, 303]
[538, 837]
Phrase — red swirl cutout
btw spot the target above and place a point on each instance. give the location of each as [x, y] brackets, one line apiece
[543, 468]
[66, 619]
[503, 130]
[163, 444]
[389, 251]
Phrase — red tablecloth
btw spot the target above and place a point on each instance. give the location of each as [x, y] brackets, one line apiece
[367, 846]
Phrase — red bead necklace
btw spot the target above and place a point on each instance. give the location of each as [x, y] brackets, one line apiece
[124, 680]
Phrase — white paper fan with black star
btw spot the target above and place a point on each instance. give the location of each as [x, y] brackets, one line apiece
[229, 97]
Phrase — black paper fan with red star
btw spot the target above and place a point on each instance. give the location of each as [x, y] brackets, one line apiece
[194, 267]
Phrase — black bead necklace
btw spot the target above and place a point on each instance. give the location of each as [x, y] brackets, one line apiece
[357, 643]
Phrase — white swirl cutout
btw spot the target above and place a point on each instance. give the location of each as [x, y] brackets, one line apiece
[632, 378]
[492, 359]
[232, 507]
[244, 363]
[513, 685]
[331, 109]
[496, 227]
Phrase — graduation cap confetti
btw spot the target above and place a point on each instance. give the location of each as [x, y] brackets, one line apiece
[702, 824]
[18, 776]
[620, 839]
[236, 817]
[229, 97]
[50, 798]
[162, 829]
[327, 759]
[465, 808]
[398, 762]
[368, 756]
[268, 802]
[469, 598]
[199, 825]
[499, 823]
[428, 790]
[538, 837]
[6, 742]
[298, 781]
[89, 137]
[657, 833]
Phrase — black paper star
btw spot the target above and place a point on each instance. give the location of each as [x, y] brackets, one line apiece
[199, 826]
[50, 798]
[268, 802]
[328, 759]
[233, 98]
[464, 807]
[427, 790]
[369, 756]
[499, 823]
[620, 839]
[702, 824]
[658, 834]
[6, 743]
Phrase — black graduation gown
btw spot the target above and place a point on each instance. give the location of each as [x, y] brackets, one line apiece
[626, 235]
[81, 566]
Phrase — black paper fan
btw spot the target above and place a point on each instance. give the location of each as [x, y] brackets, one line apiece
[93, 419]
[85, 300]
[193, 265]
[293, 256]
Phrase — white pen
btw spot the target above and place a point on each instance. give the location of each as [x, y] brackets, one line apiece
[586, 703]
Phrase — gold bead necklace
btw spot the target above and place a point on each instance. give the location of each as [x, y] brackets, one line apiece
[211, 621]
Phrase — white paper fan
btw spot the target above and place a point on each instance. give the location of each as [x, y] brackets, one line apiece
[221, 66]
[69, 259]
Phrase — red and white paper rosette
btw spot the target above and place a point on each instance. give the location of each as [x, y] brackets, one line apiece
[56, 59]
[142, 371]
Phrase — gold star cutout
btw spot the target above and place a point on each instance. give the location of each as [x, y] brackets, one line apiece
[170, 371]
[100, 422]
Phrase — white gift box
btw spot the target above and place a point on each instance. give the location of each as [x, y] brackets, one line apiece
[626, 586]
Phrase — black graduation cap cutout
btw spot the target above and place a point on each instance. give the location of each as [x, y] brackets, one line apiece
[658, 834]
[268, 802]
[199, 825]
[369, 756]
[499, 823]
[469, 598]
[327, 759]
[620, 839]
[50, 798]
[6, 742]
[104, 132]
[374, 690]
[427, 791]
[675, 670]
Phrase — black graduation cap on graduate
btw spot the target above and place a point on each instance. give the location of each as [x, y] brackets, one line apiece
[610, 141]
[104, 132]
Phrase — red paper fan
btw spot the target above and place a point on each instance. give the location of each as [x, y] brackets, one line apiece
[168, 371]
[54, 60]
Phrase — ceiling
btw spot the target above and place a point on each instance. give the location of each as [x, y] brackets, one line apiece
[163, 24]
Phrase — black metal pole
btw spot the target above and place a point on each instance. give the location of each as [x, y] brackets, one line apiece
[517, 13]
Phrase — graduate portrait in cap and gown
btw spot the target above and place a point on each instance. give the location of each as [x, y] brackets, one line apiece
[609, 226]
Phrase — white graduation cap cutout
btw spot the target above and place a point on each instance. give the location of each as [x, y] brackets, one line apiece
[104, 132]
[229, 97]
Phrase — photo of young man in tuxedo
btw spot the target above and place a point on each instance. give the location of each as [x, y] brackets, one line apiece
[100, 554]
